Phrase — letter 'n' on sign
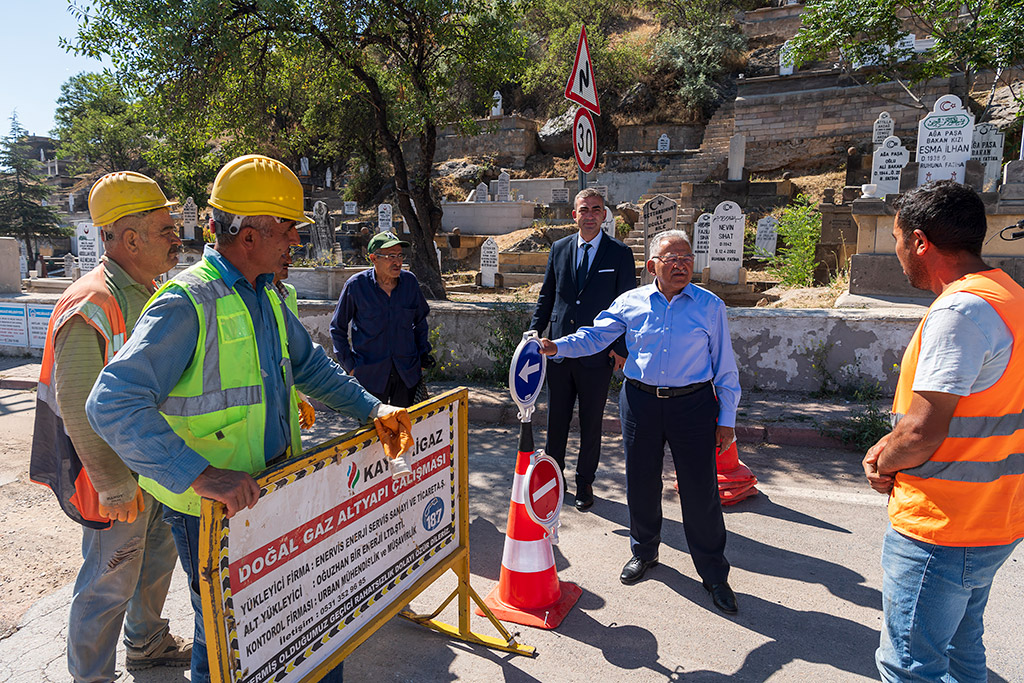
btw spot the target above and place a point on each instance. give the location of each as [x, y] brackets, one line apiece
[581, 87]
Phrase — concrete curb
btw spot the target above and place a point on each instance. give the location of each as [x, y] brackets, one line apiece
[18, 384]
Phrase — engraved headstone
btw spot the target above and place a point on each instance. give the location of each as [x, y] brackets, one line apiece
[663, 143]
[351, 208]
[321, 233]
[23, 260]
[726, 251]
[786, 62]
[737, 156]
[90, 248]
[504, 187]
[883, 128]
[887, 164]
[701, 242]
[71, 203]
[189, 219]
[659, 215]
[601, 189]
[987, 147]
[496, 104]
[608, 224]
[304, 167]
[481, 193]
[384, 217]
[767, 237]
[944, 141]
[69, 266]
[488, 262]
[328, 178]
[559, 195]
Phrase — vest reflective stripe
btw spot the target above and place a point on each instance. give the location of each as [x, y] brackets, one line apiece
[969, 492]
[972, 471]
[219, 408]
[54, 462]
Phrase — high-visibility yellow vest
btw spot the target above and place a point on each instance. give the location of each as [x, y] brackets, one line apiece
[971, 491]
[218, 408]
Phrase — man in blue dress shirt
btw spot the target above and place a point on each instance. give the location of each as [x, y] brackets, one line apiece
[389, 346]
[682, 387]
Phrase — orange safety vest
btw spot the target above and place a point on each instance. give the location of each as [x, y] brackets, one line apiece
[971, 491]
[54, 462]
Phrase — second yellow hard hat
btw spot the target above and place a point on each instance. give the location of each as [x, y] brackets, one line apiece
[120, 194]
[255, 185]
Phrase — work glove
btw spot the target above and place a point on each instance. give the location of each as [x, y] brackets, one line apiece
[125, 512]
[307, 416]
[394, 428]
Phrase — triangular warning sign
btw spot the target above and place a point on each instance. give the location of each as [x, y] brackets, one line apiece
[581, 87]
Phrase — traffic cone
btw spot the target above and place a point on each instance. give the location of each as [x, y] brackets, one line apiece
[528, 590]
[735, 480]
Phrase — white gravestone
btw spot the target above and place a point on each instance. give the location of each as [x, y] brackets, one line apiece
[304, 166]
[71, 203]
[944, 141]
[328, 178]
[559, 195]
[701, 242]
[90, 248]
[767, 237]
[189, 219]
[488, 262]
[70, 269]
[601, 190]
[737, 156]
[437, 250]
[659, 215]
[321, 233]
[351, 208]
[726, 251]
[987, 147]
[883, 128]
[663, 143]
[496, 104]
[383, 218]
[608, 225]
[786, 62]
[481, 193]
[42, 155]
[504, 187]
[23, 261]
[886, 165]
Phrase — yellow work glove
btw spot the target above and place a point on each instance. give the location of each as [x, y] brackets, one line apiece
[395, 432]
[307, 416]
[126, 512]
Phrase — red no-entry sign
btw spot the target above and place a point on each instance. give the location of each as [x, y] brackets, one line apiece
[543, 490]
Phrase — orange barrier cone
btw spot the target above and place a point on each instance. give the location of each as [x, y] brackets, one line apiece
[735, 480]
[528, 590]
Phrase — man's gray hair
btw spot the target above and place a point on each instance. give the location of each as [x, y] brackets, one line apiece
[661, 238]
[227, 225]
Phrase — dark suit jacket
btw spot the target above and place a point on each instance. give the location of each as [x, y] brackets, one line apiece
[611, 272]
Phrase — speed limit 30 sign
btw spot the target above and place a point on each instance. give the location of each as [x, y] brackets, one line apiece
[584, 140]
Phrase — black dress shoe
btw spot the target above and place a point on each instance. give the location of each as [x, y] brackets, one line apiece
[635, 570]
[584, 497]
[722, 596]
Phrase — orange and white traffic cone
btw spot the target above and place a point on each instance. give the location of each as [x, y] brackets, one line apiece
[735, 480]
[528, 590]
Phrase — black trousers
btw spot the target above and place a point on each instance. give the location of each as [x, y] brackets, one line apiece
[567, 382]
[687, 424]
[395, 392]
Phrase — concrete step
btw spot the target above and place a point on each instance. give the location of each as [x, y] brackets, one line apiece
[510, 268]
[522, 279]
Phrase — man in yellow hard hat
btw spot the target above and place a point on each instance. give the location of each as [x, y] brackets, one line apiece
[210, 375]
[128, 550]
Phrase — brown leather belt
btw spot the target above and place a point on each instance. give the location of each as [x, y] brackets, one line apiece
[668, 392]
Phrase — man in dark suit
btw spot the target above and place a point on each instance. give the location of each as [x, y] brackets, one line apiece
[585, 273]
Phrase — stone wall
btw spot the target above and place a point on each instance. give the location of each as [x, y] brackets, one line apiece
[509, 138]
[809, 118]
[645, 138]
[783, 21]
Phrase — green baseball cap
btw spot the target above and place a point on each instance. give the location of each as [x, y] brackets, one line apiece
[383, 240]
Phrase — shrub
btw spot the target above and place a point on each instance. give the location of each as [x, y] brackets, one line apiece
[799, 233]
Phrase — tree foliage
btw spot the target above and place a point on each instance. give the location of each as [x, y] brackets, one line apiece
[22, 192]
[266, 75]
[970, 36]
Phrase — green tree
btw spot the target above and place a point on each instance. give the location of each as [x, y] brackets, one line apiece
[970, 36]
[98, 124]
[243, 74]
[22, 213]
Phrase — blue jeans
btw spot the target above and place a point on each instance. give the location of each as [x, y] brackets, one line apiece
[186, 536]
[933, 605]
[125, 572]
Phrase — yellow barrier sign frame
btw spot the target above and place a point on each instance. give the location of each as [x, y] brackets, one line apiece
[224, 573]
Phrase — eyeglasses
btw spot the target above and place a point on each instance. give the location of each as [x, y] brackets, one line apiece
[675, 259]
[391, 257]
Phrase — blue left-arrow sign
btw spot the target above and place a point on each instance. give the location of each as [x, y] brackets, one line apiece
[527, 372]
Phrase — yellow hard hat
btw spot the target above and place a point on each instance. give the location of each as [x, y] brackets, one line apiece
[119, 194]
[255, 185]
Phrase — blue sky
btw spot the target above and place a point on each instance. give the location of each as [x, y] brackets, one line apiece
[34, 66]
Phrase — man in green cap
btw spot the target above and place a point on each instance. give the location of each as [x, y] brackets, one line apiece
[388, 348]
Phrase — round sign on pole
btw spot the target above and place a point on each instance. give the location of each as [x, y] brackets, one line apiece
[544, 492]
[526, 374]
[584, 140]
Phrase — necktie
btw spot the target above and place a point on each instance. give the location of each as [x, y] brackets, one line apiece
[581, 271]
